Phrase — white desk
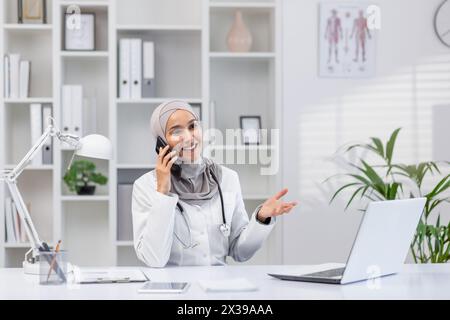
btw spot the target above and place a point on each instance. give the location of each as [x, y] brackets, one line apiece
[414, 282]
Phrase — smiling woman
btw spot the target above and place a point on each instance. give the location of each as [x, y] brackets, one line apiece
[189, 210]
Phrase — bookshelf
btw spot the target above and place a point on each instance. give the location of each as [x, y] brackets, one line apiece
[192, 63]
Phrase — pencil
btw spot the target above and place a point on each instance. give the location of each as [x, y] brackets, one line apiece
[52, 264]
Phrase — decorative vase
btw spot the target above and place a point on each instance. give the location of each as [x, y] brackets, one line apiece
[239, 38]
[85, 190]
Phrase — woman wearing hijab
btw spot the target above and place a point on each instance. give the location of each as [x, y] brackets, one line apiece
[190, 210]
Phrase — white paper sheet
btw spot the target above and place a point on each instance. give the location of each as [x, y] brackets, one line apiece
[227, 285]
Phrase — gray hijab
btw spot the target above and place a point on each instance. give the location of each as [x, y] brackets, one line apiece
[192, 182]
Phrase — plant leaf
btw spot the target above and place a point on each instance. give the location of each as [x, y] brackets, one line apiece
[390, 145]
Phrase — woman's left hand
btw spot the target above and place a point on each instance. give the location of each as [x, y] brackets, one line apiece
[273, 206]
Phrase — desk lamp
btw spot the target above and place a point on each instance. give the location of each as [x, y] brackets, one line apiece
[92, 146]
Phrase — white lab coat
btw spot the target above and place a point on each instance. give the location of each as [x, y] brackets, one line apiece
[161, 235]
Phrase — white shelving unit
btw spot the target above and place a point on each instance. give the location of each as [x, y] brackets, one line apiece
[159, 27]
[88, 54]
[29, 27]
[28, 100]
[192, 63]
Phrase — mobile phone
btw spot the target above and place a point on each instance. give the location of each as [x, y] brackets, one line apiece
[164, 287]
[160, 143]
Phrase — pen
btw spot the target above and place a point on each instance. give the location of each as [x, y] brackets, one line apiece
[54, 259]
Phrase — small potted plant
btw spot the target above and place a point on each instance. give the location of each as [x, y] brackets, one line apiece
[81, 177]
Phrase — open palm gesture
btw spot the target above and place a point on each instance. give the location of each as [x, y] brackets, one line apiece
[273, 206]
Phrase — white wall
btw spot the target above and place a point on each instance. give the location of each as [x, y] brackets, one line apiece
[412, 74]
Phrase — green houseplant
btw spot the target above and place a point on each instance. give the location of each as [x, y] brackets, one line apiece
[388, 180]
[81, 176]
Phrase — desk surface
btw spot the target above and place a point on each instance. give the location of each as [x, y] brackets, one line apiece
[431, 281]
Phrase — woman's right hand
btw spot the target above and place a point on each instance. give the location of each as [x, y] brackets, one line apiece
[163, 165]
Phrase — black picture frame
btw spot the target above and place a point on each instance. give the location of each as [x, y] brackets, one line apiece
[93, 36]
[242, 121]
[21, 14]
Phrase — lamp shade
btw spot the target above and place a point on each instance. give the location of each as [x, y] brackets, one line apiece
[95, 146]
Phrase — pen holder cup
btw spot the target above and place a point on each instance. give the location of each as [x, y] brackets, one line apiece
[53, 267]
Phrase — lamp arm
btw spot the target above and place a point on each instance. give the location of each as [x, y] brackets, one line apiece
[32, 234]
[12, 176]
[11, 181]
[73, 140]
[30, 154]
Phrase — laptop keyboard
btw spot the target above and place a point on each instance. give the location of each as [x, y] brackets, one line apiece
[326, 274]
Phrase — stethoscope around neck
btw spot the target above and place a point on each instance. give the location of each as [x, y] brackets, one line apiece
[224, 227]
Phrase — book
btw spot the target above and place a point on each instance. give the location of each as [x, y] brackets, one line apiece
[16, 222]
[6, 77]
[22, 229]
[10, 236]
[24, 79]
[36, 130]
[14, 75]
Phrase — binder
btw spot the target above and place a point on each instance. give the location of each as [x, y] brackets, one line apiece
[47, 149]
[124, 69]
[89, 116]
[6, 77]
[24, 79]
[136, 68]
[14, 66]
[36, 130]
[66, 121]
[77, 110]
[124, 221]
[72, 109]
[148, 73]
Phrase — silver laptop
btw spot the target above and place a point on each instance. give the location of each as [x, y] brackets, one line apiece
[380, 247]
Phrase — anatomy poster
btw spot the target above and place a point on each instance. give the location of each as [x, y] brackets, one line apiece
[347, 46]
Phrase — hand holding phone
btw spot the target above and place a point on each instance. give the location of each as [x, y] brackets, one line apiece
[160, 143]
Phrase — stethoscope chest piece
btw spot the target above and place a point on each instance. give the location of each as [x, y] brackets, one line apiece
[225, 229]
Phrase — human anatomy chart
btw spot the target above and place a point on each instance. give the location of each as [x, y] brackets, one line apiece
[347, 46]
